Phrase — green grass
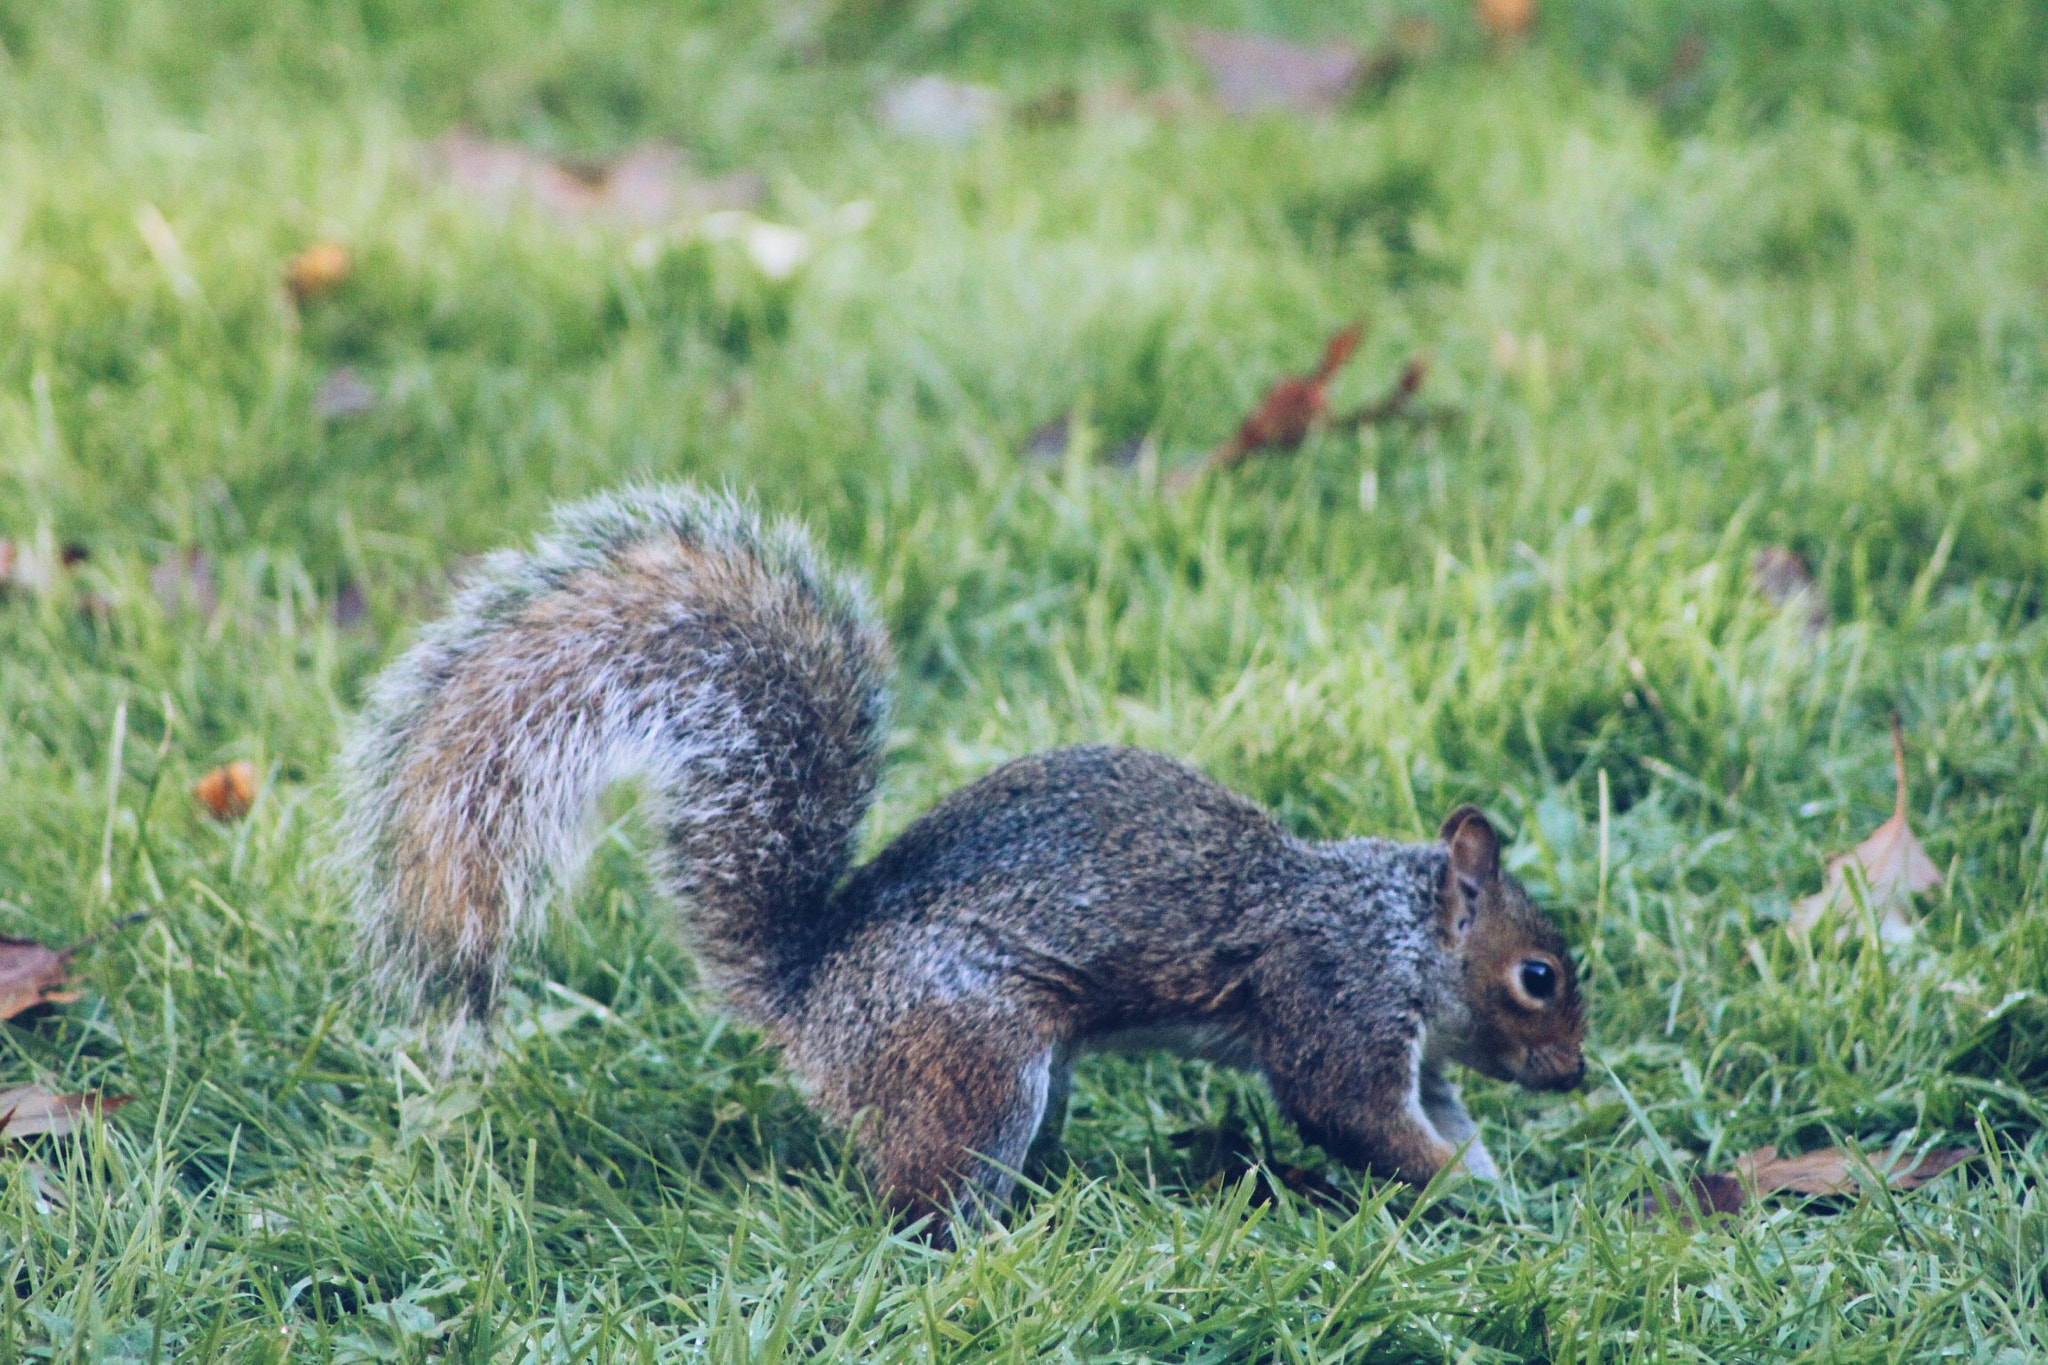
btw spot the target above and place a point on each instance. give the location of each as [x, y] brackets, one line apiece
[1793, 298]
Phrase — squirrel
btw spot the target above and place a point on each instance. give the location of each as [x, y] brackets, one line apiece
[931, 1001]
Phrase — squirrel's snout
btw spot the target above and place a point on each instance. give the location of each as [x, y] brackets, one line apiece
[1546, 1072]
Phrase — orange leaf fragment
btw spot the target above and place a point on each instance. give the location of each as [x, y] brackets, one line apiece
[31, 975]
[29, 1109]
[1507, 18]
[317, 270]
[227, 792]
[1284, 416]
[1891, 862]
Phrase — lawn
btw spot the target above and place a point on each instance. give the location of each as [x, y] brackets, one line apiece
[1694, 282]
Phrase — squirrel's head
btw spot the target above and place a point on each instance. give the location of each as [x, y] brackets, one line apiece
[1520, 990]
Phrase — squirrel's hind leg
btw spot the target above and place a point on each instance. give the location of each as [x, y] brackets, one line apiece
[1045, 1144]
[951, 1095]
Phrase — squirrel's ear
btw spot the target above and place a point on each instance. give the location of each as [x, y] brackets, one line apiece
[1475, 861]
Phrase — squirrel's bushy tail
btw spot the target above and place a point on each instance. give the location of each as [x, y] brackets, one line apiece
[663, 634]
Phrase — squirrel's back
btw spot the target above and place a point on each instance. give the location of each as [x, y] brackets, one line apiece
[660, 634]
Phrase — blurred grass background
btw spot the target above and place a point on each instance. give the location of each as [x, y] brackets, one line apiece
[1696, 279]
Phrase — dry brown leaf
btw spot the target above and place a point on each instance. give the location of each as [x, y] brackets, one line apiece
[1284, 415]
[31, 975]
[1828, 1171]
[649, 185]
[1507, 18]
[227, 792]
[1780, 576]
[317, 270]
[1254, 75]
[1763, 1172]
[1893, 866]
[1399, 399]
[28, 1110]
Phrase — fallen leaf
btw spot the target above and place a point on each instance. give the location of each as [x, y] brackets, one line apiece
[49, 1194]
[1507, 18]
[649, 185]
[939, 110]
[1763, 1172]
[1780, 576]
[1892, 864]
[28, 1110]
[1399, 398]
[1828, 1171]
[344, 394]
[185, 580]
[1254, 75]
[31, 975]
[317, 270]
[1287, 412]
[227, 792]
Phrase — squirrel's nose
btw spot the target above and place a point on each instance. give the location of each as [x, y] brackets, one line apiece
[1562, 1079]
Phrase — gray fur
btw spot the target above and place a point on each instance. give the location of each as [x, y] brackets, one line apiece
[933, 999]
[700, 692]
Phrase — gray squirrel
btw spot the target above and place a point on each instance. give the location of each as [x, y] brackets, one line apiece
[933, 999]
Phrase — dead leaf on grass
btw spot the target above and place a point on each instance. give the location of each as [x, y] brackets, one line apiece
[1399, 400]
[1891, 863]
[28, 1110]
[317, 270]
[1284, 416]
[647, 186]
[1254, 75]
[227, 792]
[31, 975]
[1829, 1171]
[1507, 18]
[1781, 577]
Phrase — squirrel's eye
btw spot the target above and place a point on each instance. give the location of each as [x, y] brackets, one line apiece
[1539, 979]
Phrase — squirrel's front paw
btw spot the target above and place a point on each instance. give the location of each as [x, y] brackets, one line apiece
[1478, 1161]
